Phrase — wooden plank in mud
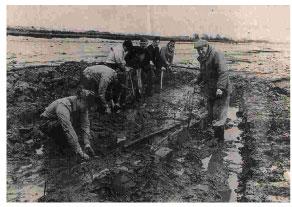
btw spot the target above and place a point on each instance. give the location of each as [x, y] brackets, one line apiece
[136, 141]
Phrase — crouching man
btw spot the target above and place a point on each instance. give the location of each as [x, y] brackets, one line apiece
[215, 85]
[103, 81]
[65, 115]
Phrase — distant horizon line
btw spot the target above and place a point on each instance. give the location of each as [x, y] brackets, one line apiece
[208, 36]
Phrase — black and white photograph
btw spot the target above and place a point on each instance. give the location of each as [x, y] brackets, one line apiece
[147, 103]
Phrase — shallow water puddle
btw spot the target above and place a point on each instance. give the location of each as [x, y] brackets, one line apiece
[230, 155]
[25, 192]
[233, 156]
[205, 162]
[40, 150]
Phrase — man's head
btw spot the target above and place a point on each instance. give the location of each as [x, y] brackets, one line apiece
[143, 42]
[171, 45]
[156, 41]
[85, 98]
[202, 47]
[127, 45]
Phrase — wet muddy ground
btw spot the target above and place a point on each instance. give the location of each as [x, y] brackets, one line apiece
[182, 163]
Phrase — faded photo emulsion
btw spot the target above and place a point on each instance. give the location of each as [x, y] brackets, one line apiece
[148, 103]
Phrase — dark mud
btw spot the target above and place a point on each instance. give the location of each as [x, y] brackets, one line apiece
[182, 164]
[266, 140]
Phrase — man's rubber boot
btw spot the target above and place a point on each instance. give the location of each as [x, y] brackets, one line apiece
[219, 133]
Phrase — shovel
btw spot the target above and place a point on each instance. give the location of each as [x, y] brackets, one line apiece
[139, 80]
[161, 79]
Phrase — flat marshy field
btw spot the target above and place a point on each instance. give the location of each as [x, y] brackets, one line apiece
[173, 161]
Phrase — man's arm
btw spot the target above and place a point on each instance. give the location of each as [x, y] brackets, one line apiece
[103, 84]
[171, 59]
[222, 71]
[111, 56]
[63, 115]
[85, 127]
[163, 56]
[120, 57]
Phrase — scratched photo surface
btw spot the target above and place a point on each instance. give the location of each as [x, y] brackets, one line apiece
[95, 115]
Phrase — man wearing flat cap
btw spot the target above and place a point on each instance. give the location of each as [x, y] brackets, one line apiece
[215, 85]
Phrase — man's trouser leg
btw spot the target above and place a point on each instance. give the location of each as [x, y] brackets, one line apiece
[116, 93]
[53, 130]
[210, 106]
[157, 75]
[149, 81]
[220, 110]
[124, 80]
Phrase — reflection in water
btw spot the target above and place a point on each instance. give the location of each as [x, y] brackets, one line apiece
[214, 163]
[233, 156]
[24, 184]
[215, 166]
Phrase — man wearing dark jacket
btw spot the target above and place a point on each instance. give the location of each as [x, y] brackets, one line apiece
[215, 84]
[154, 53]
[135, 60]
[146, 69]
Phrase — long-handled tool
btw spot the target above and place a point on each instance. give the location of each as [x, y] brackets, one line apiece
[190, 108]
[139, 80]
[161, 79]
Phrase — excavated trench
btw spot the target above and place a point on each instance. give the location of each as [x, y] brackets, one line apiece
[175, 158]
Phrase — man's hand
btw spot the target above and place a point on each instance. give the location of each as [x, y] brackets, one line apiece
[194, 82]
[107, 109]
[127, 69]
[196, 89]
[123, 66]
[163, 69]
[219, 92]
[89, 150]
[83, 156]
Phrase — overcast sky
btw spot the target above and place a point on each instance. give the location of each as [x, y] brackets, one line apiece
[238, 22]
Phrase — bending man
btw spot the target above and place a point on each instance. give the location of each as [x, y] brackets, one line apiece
[65, 114]
[103, 81]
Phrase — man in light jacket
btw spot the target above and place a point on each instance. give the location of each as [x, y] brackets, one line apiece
[103, 80]
[64, 115]
[117, 61]
[167, 54]
[116, 57]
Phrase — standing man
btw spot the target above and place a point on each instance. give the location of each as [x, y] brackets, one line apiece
[63, 116]
[166, 60]
[146, 75]
[136, 61]
[167, 54]
[103, 81]
[116, 57]
[215, 85]
[116, 60]
[154, 53]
